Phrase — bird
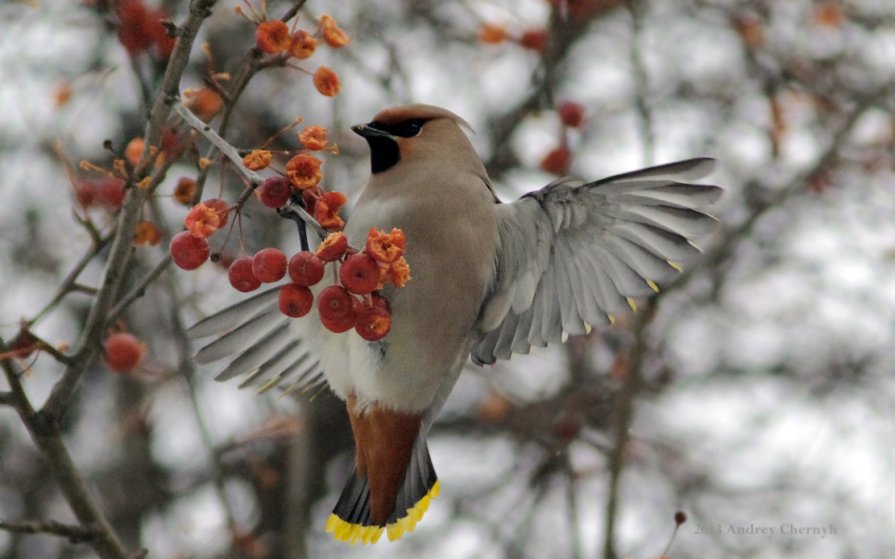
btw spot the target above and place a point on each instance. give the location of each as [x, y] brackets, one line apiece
[488, 279]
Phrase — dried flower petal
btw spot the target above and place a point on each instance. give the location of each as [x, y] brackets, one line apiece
[304, 171]
[326, 210]
[313, 138]
[385, 247]
[147, 233]
[303, 45]
[332, 33]
[272, 36]
[492, 34]
[327, 81]
[258, 159]
[201, 221]
[185, 191]
[397, 273]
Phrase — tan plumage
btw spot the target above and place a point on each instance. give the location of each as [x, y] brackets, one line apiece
[488, 280]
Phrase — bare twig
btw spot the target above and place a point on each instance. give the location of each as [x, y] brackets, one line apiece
[645, 116]
[75, 534]
[140, 289]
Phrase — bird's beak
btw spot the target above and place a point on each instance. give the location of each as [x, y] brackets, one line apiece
[369, 131]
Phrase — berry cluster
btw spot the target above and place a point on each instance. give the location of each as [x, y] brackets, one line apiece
[353, 300]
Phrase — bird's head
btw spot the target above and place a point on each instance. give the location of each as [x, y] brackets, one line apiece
[413, 133]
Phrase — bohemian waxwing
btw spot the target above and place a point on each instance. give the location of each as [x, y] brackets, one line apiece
[488, 280]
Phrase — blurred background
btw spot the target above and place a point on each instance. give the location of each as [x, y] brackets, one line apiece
[755, 393]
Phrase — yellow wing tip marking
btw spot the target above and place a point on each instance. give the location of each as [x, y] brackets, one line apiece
[675, 265]
[347, 532]
[415, 513]
[632, 303]
[652, 285]
[611, 318]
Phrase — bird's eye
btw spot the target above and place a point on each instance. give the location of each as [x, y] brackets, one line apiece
[404, 129]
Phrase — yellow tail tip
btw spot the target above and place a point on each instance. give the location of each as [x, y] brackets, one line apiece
[352, 533]
[407, 523]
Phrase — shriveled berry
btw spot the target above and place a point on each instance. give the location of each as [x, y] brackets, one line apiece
[333, 247]
[335, 303]
[269, 265]
[274, 192]
[359, 273]
[241, 276]
[187, 251]
[123, 352]
[372, 322]
[295, 300]
[534, 39]
[221, 207]
[306, 268]
[571, 113]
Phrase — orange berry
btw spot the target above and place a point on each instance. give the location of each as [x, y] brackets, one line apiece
[359, 273]
[304, 171]
[333, 35]
[205, 103]
[147, 233]
[306, 268]
[185, 191]
[557, 161]
[295, 300]
[274, 192]
[134, 151]
[187, 251]
[258, 159]
[123, 352]
[571, 113]
[272, 36]
[269, 265]
[313, 138]
[333, 247]
[492, 34]
[303, 45]
[327, 81]
[241, 276]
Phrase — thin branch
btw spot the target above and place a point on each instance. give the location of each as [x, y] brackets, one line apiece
[121, 249]
[140, 289]
[632, 386]
[645, 116]
[75, 534]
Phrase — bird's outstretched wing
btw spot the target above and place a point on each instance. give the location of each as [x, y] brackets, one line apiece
[576, 253]
[263, 342]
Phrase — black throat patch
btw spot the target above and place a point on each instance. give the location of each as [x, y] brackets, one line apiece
[384, 153]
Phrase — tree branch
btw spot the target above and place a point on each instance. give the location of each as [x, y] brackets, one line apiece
[74, 534]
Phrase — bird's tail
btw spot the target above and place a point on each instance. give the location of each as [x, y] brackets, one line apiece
[351, 520]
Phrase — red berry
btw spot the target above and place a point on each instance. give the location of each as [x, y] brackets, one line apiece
[359, 273]
[372, 320]
[557, 161]
[109, 193]
[338, 325]
[274, 192]
[187, 251]
[306, 268]
[269, 265]
[123, 352]
[295, 300]
[571, 113]
[241, 276]
[534, 39]
[221, 207]
[335, 303]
